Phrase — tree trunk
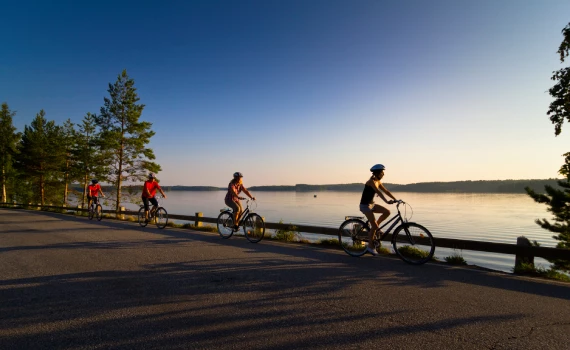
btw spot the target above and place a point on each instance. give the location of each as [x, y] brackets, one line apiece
[66, 182]
[84, 191]
[42, 190]
[4, 184]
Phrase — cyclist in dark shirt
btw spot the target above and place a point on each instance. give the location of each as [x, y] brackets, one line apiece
[368, 208]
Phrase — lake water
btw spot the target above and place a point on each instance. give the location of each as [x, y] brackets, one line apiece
[482, 217]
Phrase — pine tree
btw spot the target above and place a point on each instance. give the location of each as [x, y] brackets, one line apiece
[88, 157]
[125, 135]
[8, 147]
[558, 201]
[38, 158]
[67, 165]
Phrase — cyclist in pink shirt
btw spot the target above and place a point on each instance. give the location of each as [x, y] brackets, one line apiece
[232, 199]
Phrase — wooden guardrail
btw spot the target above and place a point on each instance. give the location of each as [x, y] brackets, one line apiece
[523, 251]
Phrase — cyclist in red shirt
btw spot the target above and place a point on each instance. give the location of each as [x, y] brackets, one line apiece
[149, 191]
[93, 191]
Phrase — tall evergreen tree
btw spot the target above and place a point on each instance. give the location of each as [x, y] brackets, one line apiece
[125, 135]
[558, 201]
[38, 158]
[8, 147]
[88, 157]
[66, 146]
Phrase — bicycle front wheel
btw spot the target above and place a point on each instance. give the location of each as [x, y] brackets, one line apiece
[353, 236]
[254, 228]
[99, 212]
[413, 243]
[90, 213]
[161, 217]
[225, 224]
[142, 218]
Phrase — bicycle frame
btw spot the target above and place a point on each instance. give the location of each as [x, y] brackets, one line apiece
[244, 215]
[397, 220]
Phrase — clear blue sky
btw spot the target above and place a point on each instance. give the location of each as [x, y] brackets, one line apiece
[304, 91]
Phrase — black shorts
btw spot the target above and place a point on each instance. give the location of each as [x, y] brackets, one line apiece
[152, 201]
[95, 199]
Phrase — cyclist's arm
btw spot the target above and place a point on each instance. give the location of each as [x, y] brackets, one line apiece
[161, 192]
[247, 193]
[380, 186]
[100, 191]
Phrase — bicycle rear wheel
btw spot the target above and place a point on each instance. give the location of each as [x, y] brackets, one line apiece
[413, 243]
[353, 236]
[142, 218]
[91, 212]
[161, 217]
[225, 224]
[99, 212]
[254, 228]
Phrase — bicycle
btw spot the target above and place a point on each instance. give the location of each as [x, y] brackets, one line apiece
[95, 210]
[412, 242]
[253, 224]
[157, 215]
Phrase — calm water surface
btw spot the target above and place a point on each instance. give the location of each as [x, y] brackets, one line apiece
[484, 217]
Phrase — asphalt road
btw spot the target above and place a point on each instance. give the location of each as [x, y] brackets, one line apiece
[70, 283]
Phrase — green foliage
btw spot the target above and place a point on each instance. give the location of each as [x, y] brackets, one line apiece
[530, 270]
[331, 241]
[455, 259]
[38, 160]
[290, 234]
[413, 252]
[88, 157]
[557, 200]
[125, 136]
[559, 109]
[8, 148]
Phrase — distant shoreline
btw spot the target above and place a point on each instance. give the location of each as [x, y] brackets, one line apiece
[479, 186]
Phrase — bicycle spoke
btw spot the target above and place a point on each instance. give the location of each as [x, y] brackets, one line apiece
[413, 243]
[353, 237]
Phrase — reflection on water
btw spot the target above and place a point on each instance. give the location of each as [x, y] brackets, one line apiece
[483, 217]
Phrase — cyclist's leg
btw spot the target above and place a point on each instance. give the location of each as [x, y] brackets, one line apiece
[385, 213]
[89, 199]
[236, 210]
[145, 203]
[367, 210]
[154, 204]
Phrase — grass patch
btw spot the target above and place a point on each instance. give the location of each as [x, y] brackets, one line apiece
[455, 259]
[204, 228]
[329, 242]
[527, 269]
[413, 252]
[289, 235]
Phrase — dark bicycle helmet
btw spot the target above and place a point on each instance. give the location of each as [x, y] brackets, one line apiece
[94, 181]
[151, 176]
[238, 174]
[377, 167]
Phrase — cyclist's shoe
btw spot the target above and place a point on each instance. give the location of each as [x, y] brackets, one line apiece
[236, 228]
[372, 251]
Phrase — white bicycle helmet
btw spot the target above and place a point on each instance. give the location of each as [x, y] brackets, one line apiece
[377, 167]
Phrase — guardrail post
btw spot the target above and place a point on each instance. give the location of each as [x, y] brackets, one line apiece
[198, 222]
[524, 258]
[122, 215]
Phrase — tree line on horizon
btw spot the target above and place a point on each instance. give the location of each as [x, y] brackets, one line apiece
[480, 186]
[40, 164]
